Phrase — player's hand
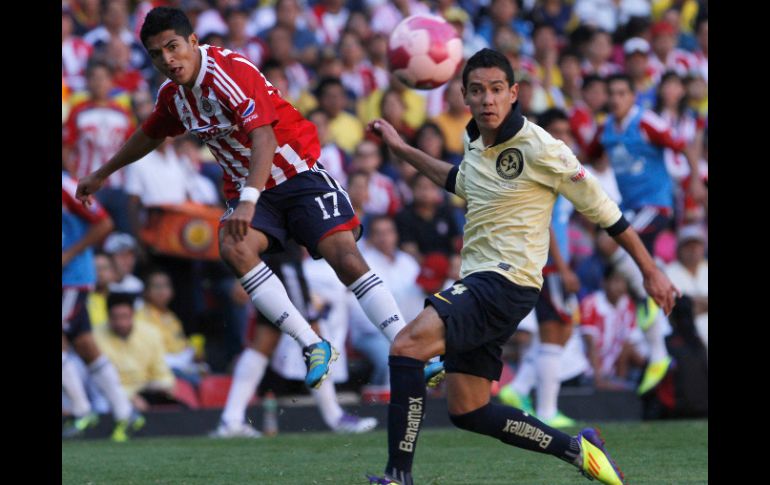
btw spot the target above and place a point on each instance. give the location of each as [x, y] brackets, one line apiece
[385, 130]
[570, 281]
[662, 290]
[237, 225]
[87, 186]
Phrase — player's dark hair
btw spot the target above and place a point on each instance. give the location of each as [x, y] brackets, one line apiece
[371, 221]
[622, 77]
[161, 19]
[550, 115]
[120, 298]
[488, 58]
[682, 105]
[540, 26]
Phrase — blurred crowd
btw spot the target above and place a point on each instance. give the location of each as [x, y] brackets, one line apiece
[329, 59]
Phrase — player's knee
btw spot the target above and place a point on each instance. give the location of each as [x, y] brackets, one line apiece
[470, 421]
[405, 345]
[234, 253]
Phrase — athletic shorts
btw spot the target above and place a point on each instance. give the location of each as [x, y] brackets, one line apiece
[307, 208]
[74, 313]
[649, 222]
[480, 313]
[555, 304]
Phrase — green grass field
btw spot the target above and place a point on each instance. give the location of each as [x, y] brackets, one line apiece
[655, 453]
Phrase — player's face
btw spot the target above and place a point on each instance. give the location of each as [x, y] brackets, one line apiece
[175, 57]
[489, 97]
[621, 98]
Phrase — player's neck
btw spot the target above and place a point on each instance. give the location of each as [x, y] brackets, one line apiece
[488, 137]
[197, 70]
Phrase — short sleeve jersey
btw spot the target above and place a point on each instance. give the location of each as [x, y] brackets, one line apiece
[229, 99]
[510, 188]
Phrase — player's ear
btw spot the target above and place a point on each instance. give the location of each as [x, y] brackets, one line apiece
[514, 92]
[193, 39]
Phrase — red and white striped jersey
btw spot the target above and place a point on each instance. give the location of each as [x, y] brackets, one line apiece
[231, 98]
[678, 60]
[96, 131]
[75, 53]
[609, 325]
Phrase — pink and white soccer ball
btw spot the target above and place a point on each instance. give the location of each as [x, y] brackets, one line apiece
[424, 51]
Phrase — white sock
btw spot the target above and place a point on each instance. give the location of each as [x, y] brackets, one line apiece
[73, 386]
[527, 372]
[628, 268]
[378, 304]
[548, 364]
[326, 399]
[655, 339]
[248, 373]
[107, 380]
[272, 301]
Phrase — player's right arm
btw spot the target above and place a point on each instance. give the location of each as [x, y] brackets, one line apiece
[134, 149]
[435, 169]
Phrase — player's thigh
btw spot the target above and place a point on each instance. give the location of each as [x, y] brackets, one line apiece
[466, 393]
[422, 338]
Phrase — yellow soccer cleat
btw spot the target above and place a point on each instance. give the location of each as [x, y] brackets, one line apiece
[596, 462]
[653, 374]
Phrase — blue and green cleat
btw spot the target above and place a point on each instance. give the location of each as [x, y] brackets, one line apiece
[434, 373]
[375, 480]
[318, 358]
[126, 427]
[596, 462]
[509, 397]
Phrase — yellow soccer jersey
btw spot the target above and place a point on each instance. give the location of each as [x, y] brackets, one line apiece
[511, 188]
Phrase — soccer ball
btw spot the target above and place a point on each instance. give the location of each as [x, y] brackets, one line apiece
[424, 51]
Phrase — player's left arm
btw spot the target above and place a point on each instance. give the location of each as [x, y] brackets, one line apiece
[584, 191]
[658, 132]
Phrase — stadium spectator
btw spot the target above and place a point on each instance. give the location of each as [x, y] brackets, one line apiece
[608, 15]
[637, 52]
[690, 273]
[386, 15]
[122, 248]
[238, 39]
[345, 130]
[136, 350]
[75, 53]
[330, 17]
[86, 15]
[415, 105]
[454, 117]
[589, 112]
[506, 13]
[357, 73]
[288, 15]
[569, 66]
[556, 13]
[281, 51]
[125, 76]
[702, 53]
[115, 22]
[427, 225]
[179, 353]
[97, 298]
[94, 131]
[212, 19]
[608, 327]
[665, 55]
[332, 157]
[383, 198]
[598, 54]
[430, 139]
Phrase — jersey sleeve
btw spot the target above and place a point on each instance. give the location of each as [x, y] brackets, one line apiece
[569, 177]
[163, 121]
[248, 96]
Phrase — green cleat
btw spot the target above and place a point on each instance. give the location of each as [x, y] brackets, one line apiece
[126, 427]
[78, 426]
[653, 374]
[512, 398]
[595, 462]
[646, 312]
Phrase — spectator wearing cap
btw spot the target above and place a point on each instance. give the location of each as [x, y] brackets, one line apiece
[665, 55]
[122, 248]
[136, 351]
[637, 67]
[427, 225]
[399, 272]
[690, 273]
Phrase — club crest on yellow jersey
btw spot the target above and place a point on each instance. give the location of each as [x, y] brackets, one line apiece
[510, 163]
